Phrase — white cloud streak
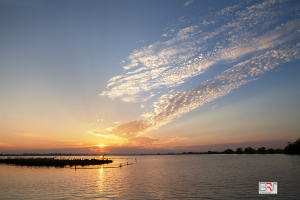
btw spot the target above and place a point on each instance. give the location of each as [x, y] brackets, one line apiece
[188, 3]
[192, 51]
[175, 104]
[256, 31]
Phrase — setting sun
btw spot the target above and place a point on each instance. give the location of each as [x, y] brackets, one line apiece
[101, 145]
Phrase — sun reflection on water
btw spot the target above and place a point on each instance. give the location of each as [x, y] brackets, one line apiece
[101, 179]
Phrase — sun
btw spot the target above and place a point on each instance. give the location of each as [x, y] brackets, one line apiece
[101, 145]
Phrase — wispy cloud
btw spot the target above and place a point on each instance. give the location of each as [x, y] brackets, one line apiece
[126, 130]
[188, 3]
[143, 140]
[192, 51]
[175, 104]
[140, 41]
[174, 139]
[255, 37]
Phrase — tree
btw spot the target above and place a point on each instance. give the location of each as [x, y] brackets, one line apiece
[228, 151]
[239, 150]
[261, 150]
[270, 150]
[292, 148]
[249, 150]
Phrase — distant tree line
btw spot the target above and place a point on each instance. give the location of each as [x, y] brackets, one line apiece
[291, 148]
[250, 150]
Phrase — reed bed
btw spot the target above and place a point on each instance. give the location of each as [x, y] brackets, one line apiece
[53, 162]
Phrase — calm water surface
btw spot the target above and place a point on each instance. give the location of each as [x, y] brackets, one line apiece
[157, 177]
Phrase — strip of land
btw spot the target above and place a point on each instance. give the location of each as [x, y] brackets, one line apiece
[53, 162]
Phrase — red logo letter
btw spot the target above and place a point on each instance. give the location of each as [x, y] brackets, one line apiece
[269, 186]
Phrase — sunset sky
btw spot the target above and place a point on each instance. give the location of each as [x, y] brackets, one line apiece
[148, 76]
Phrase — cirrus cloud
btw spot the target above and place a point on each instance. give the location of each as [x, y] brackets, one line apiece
[250, 40]
[194, 49]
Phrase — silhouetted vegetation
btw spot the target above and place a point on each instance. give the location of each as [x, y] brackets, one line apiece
[249, 150]
[239, 150]
[292, 148]
[270, 151]
[53, 162]
[262, 150]
[229, 151]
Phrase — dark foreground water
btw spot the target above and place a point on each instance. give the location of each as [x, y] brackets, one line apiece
[157, 177]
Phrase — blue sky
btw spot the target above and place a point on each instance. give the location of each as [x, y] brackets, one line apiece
[148, 76]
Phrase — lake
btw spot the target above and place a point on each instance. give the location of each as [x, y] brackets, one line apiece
[157, 177]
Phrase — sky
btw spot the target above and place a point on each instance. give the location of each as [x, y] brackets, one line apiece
[147, 76]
